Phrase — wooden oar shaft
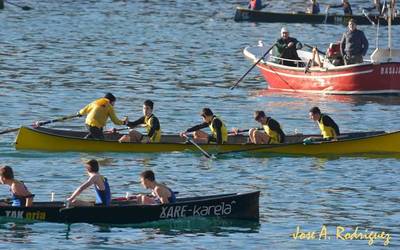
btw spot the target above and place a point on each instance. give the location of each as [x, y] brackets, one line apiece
[255, 64]
[58, 119]
[9, 130]
[41, 123]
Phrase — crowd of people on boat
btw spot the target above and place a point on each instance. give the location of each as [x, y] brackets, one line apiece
[22, 197]
[377, 7]
[98, 112]
[352, 47]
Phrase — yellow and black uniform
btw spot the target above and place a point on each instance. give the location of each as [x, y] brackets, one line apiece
[273, 129]
[218, 130]
[97, 114]
[152, 125]
[329, 129]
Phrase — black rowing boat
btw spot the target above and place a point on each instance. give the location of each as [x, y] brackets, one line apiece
[235, 206]
[244, 14]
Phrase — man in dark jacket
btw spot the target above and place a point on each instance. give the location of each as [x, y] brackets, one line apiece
[354, 44]
[286, 48]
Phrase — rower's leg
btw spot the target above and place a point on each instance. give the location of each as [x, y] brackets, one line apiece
[200, 136]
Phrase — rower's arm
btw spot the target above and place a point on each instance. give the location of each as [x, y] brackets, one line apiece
[197, 127]
[114, 117]
[85, 110]
[135, 123]
[81, 188]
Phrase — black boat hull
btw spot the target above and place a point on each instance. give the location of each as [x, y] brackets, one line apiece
[243, 14]
[236, 206]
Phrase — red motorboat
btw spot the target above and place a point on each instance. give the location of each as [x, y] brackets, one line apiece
[380, 74]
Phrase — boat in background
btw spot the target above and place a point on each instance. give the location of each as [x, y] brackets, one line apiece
[243, 206]
[245, 14]
[52, 140]
[380, 74]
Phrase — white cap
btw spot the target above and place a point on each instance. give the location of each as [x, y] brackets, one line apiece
[284, 29]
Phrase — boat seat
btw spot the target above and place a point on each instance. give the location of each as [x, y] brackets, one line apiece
[381, 55]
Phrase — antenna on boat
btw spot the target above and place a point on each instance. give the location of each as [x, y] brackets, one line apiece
[377, 35]
[390, 14]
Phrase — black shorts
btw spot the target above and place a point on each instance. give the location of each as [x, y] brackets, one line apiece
[94, 133]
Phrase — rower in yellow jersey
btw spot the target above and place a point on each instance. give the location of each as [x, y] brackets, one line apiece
[97, 114]
[272, 134]
[329, 129]
[219, 133]
[151, 123]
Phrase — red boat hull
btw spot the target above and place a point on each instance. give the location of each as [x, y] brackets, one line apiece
[382, 78]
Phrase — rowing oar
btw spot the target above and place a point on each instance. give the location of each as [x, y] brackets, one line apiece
[369, 19]
[205, 153]
[326, 15]
[248, 71]
[19, 6]
[41, 123]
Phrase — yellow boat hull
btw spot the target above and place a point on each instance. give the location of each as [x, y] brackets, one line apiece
[34, 139]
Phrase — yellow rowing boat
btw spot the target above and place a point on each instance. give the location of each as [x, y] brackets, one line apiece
[45, 139]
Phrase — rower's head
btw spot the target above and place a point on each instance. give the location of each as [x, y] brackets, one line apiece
[352, 24]
[6, 173]
[284, 33]
[315, 113]
[148, 108]
[147, 179]
[207, 115]
[92, 166]
[111, 98]
[260, 116]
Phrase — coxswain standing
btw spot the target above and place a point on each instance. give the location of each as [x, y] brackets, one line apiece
[345, 5]
[97, 114]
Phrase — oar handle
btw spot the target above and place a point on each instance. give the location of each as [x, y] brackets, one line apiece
[255, 64]
[240, 131]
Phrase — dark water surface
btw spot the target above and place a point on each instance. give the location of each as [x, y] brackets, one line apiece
[184, 55]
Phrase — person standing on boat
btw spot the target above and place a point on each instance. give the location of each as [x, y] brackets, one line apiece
[255, 5]
[329, 128]
[150, 121]
[345, 5]
[272, 134]
[219, 133]
[97, 114]
[377, 6]
[314, 8]
[354, 44]
[100, 183]
[286, 48]
[20, 195]
[161, 194]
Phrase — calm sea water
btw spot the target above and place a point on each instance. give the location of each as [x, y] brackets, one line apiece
[184, 55]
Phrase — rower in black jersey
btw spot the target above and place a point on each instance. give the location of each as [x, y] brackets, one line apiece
[219, 133]
[150, 122]
[272, 134]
